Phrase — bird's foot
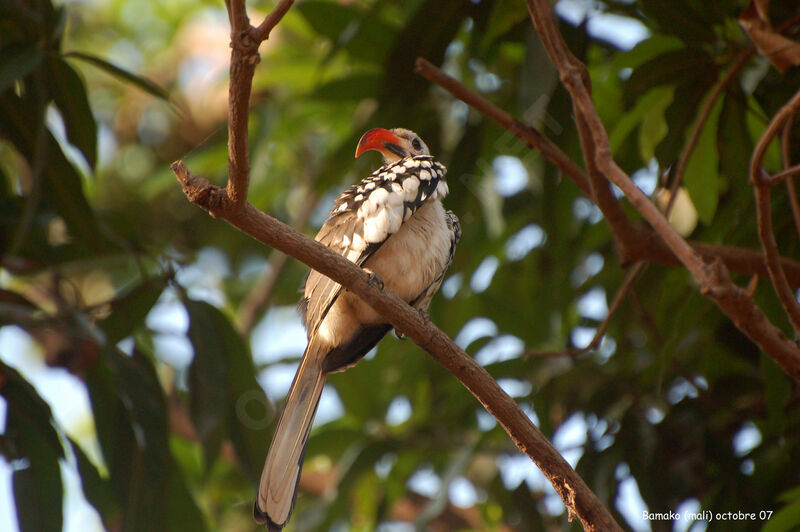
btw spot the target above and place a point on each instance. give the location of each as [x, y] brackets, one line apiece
[375, 281]
[424, 315]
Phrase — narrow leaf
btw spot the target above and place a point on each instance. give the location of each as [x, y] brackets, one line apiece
[130, 310]
[31, 443]
[246, 414]
[69, 94]
[130, 415]
[702, 175]
[16, 62]
[62, 188]
[207, 375]
[122, 74]
[96, 489]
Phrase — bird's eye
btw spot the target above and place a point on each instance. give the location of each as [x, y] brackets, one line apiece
[416, 144]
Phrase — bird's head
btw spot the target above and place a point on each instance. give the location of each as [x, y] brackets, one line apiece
[394, 144]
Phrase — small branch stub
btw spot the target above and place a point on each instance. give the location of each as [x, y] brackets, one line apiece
[200, 191]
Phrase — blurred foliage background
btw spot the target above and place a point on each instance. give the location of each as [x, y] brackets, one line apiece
[144, 345]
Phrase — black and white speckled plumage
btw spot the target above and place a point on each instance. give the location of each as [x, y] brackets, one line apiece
[410, 181]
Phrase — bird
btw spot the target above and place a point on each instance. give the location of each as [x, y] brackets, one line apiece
[394, 226]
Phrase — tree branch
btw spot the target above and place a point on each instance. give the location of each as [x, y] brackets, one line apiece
[762, 188]
[245, 40]
[712, 276]
[620, 296]
[786, 175]
[265, 28]
[527, 134]
[789, 171]
[683, 162]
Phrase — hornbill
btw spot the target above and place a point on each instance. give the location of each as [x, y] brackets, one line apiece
[393, 225]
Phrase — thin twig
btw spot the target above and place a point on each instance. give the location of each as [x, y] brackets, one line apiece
[624, 230]
[271, 20]
[244, 57]
[688, 148]
[712, 276]
[620, 296]
[784, 175]
[789, 170]
[680, 168]
[761, 186]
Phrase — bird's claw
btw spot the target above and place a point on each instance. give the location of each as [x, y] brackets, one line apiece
[425, 317]
[375, 281]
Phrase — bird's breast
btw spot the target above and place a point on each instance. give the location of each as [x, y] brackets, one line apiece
[409, 260]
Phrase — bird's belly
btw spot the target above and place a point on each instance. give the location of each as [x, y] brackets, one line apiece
[407, 263]
[411, 259]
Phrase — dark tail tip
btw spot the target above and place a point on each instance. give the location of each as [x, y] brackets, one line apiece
[262, 518]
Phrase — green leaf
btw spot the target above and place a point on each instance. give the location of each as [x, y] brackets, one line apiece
[69, 94]
[777, 392]
[251, 413]
[37, 485]
[654, 99]
[681, 113]
[96, 489]
[130, 310]
[207, 375]
[654, 126]
[702, 175]
[785, 519]
[645, 51]
[226, 399]
[668, 68]
[735, 144]
[30, 22]
[756, 128]
[423, 36]
[679, 18]
[122, 74]
[16, 62]
[359, 31]
[130, 417]
[5, 187]
[61, 185]
[182, 510]
[30, 440]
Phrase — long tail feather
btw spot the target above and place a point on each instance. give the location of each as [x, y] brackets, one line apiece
[278, 488]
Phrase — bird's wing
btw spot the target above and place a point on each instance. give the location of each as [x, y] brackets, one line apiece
[424, 299]
[364, 217]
